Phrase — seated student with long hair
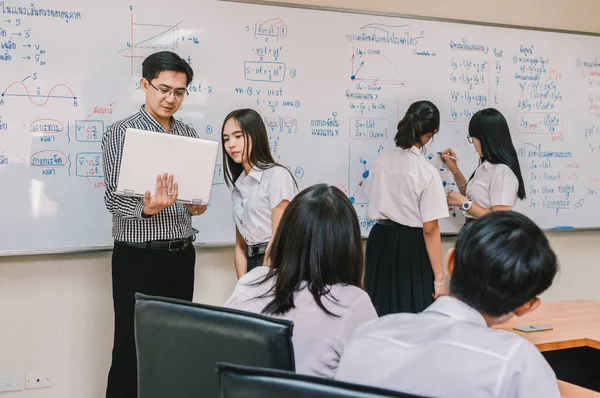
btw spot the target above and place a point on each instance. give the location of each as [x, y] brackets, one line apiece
[315, 278]
[497, 184]
[501, 263]
[261, 189]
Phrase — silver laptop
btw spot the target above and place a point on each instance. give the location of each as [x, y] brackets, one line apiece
[147, 154]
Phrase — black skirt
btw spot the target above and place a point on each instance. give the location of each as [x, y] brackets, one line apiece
[398, 274]
[255, 261]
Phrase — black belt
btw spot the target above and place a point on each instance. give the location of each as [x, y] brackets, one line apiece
[175, 245]
[389, 223]
[255, 250]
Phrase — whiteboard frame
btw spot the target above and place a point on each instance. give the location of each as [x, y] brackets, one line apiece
[102, 249]
[94, 249]
[42, 252]
[409, 16]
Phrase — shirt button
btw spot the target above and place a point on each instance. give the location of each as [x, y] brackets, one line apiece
[241, 222]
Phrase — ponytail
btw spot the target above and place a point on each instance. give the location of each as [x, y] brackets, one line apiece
[422, 117]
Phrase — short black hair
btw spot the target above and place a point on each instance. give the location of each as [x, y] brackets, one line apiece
[317, 242]
[421, 117]
[166, 60]
[502, 260]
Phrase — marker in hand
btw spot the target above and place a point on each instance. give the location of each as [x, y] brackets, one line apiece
[451, 157]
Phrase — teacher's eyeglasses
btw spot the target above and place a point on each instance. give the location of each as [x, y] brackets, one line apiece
[166, 90]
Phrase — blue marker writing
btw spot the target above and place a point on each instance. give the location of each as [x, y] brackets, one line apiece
[451, 157]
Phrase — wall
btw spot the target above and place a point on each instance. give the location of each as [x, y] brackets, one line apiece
[55, 311]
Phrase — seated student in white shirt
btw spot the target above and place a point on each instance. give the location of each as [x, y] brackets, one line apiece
[500, 264]
[406, 198]
[315, 278]
[497, 184]
[261, 189]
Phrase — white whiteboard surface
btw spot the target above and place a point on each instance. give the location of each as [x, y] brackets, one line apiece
[331, 86]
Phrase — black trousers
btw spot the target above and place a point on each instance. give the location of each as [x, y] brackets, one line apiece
[153, 272]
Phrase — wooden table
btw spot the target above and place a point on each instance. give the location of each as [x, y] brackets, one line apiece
[568, 390]
[575, 324]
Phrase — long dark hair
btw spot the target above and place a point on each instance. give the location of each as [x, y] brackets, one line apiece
[490, 127]
[421, 117]
[317, 242]
[252, 126]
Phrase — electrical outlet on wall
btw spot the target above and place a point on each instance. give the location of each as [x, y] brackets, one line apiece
[37, 380]
[11, 383]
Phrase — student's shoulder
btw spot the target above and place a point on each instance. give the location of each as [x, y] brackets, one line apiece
[510, 343]
[278, 173]
[429, 168]
[349, 295]
[504, 170]
[524, 358]
[389, 325]
[255, 275]
[429, 172]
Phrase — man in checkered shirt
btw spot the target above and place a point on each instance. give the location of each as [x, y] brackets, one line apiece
[153, 250]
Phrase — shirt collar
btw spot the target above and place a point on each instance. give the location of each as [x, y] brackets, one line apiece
[414, 150]
[154, 122]
[456, 309]
[255, 173]
[487, 165]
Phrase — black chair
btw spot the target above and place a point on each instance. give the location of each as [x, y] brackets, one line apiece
[237, 381]
[179, 343]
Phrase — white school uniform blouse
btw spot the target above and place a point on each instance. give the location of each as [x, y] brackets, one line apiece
[405, 188]
[318, 338]
[447, 351]
[254, 196]
[493, 185]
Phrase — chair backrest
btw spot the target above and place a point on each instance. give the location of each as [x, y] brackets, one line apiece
[179, 343]
[253, 382]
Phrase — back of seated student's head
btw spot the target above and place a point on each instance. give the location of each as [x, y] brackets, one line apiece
[500, 265]
[318, 241]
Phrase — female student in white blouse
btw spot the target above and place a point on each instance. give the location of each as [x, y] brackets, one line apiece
[407, 198]
[497, 183]
[261, 188]
[314, 280]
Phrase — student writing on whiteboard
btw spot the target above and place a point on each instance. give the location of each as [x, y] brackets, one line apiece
[404, 254]
[315, 279]
[153, 250]
[261, 189]
[497, 183]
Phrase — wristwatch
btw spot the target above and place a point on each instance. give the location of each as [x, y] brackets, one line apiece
[466, 206]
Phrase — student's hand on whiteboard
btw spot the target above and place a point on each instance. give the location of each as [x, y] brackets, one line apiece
[449, 157]
[165, 195]
[455, 198]
[196, 210]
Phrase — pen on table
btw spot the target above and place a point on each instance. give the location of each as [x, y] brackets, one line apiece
[451, 157]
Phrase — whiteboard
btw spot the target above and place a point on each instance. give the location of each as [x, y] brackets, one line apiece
[331, 86]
